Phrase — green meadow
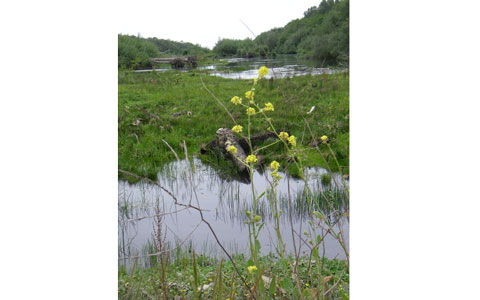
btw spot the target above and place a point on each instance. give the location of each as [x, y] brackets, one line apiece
[156, 108]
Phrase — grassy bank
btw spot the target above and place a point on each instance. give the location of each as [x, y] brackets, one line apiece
[208, 278]
[174, 106]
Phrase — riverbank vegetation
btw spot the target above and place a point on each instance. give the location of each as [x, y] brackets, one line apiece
[210, 278]
[135, 52]
[171, 107]
[323, 33]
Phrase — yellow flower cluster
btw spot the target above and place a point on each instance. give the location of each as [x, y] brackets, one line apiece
[268, 107]
[252, 269]
[249, 95]
[324, 139]
[250, 111]
[251, 159]
[276, 176]
[292, 140]
[237, 128]
[236, 100]
[283, 135]
[262, 72]
[274, 165]
[232, 149]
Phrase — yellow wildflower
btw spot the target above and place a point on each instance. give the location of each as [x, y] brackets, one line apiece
[262, 72]
[249, 95]
[276, 176]
[306, 284]
[283, 135]
[252, 269]
[255, 80]
[237, 128]
[250, 111]
[274, 165]
[236, 100]
[268, 107]
[292, 140]
[251, 159]
[324, 139]
[232, 149]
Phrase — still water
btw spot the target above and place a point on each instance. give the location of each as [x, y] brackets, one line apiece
[224, 202]
[247, 68]
[279, 67]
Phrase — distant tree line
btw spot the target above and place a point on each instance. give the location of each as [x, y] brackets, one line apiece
[136, 52]
[323, 33]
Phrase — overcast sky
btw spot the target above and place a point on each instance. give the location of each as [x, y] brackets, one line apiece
[204, 22]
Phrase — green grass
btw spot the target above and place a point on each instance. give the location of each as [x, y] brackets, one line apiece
[153, 97]
[181, 274]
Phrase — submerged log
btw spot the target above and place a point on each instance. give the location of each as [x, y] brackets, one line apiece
[176, 62]
[226, 138]
[255, 139]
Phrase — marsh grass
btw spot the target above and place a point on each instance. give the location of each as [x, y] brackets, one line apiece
[213, 277]
[146, 102]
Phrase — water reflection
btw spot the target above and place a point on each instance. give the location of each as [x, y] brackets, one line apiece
[280, 67]
[225, 204]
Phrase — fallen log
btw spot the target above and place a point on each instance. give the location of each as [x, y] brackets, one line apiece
[255, 139]
[176, 62]
[226, 138]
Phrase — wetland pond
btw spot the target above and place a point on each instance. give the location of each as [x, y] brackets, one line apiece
[247, 68]
[225, 202]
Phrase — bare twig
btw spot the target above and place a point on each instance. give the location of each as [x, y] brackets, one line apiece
[170, 147]
[336, 283]
[218, 100]
[160, 186]
[153, 216]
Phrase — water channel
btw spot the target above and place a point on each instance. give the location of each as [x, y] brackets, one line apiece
[247, 68]
[225, 202]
